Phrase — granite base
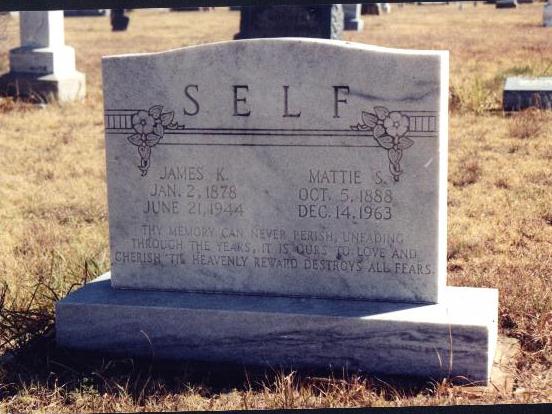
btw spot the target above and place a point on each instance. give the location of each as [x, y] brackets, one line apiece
[456, 338]
[64, 88]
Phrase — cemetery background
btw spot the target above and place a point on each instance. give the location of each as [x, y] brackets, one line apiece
[54, 225]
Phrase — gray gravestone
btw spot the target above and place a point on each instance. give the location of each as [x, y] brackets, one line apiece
[547, 14]
[302, 187]
[85, 12]
[506, 4]
[353, 19]
[43, 66]
[119, 21]
[371, 8]
[320, 21]
[522, 93]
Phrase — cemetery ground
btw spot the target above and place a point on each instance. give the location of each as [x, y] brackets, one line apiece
[54, 235]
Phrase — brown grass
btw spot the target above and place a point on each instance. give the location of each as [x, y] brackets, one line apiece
[54, 226]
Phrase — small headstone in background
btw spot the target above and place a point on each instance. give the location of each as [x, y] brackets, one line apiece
[119, 22]
[371, 8]
[320, 21]
[85, 12]
[547, 14]
[179, 9]
[523, 92]
[43, 66]
[353, 19]
[506, 4]
[386, 7]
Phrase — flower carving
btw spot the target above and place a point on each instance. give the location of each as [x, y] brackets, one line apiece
[149, 127]
[390, 130]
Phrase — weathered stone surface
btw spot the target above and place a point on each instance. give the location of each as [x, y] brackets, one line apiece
[319, 21]
[522, 93]
[271, 167]
[440, 340]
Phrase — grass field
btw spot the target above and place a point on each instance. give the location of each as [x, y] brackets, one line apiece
[53, 219]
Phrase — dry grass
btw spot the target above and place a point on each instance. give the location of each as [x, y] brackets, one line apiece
[54, 226]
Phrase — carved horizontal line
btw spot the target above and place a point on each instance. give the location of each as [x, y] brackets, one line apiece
[344, 133]
[132, 111]
[264, 145]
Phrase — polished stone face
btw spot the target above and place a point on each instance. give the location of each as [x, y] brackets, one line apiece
[279, 167]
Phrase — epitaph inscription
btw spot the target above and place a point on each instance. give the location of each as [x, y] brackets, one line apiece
[269, 181]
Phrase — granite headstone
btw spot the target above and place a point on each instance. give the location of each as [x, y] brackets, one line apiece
[341, 197]
[270, 205]
[547, 14]
[317, 21]
[353, 18]
[506, 4]
[43, 65]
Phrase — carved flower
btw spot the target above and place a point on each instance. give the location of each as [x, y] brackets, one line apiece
[149, 126]
[396, 124]
[143, 122]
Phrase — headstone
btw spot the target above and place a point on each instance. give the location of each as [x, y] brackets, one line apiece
[119, 22]
[386, 7]
[547, 14]
[270, 205]
[371, 8]
[85, 12]
[43, 66]
[320, 21]
[506, 4]
[179, 9]
[522, 93]
[353, 19]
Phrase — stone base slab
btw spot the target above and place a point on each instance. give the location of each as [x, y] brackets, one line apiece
[456, 338]
[69, 87]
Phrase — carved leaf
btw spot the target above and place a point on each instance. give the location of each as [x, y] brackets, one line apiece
[405, 143]
[381, 111]
[135, 139]
[158, 130]
[369, 119]
[385, 141]
[152, 140]
[155, 111]
[379, 130]
[167, 118]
